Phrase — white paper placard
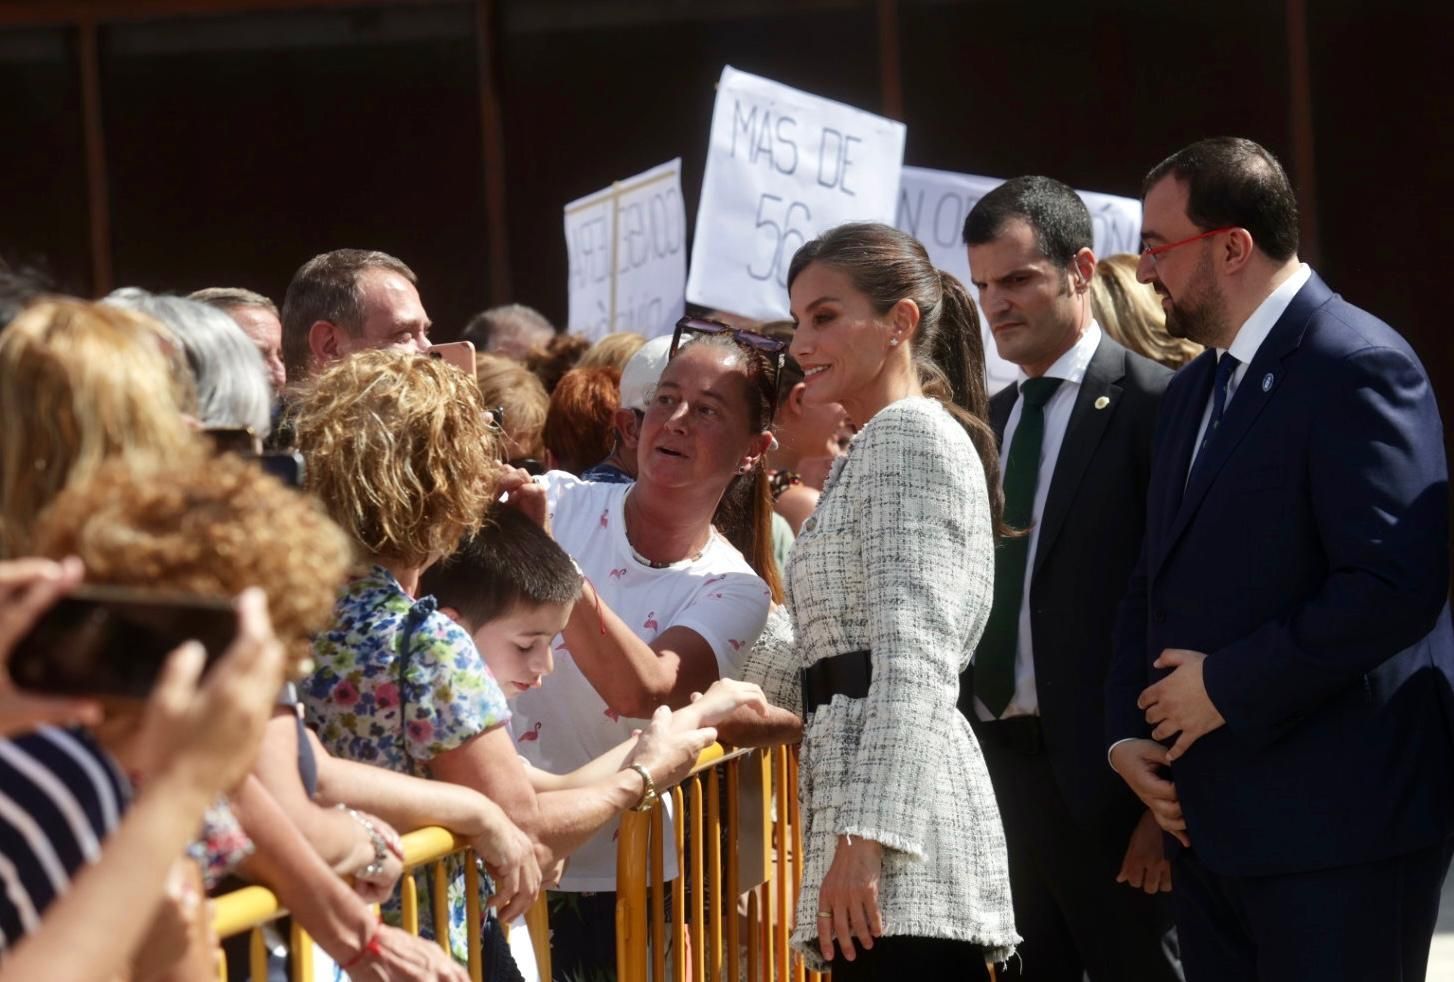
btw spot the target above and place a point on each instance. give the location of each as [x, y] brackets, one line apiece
[933, 205]
[782, 167]
[627, 250]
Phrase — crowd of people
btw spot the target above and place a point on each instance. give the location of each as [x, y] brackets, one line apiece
[1138, 669]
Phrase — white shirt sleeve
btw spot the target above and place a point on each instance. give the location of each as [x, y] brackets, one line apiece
[729, 615]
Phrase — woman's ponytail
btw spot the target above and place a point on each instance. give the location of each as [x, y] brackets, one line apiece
[951, 368]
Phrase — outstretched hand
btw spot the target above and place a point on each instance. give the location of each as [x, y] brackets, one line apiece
[723, 698]
[669, 752]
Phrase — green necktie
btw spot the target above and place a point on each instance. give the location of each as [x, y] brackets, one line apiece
[994, 664]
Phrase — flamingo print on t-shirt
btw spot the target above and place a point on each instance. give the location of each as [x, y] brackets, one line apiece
[716, 595]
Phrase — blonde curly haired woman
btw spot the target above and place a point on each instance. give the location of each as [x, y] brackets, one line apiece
[400, 451]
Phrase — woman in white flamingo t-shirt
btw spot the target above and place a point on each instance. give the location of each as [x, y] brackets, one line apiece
[670, 605]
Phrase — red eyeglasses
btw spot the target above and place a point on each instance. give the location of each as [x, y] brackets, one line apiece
[1147, 252]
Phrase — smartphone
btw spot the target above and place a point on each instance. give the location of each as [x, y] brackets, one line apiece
[460, 354]
[233, 439]
[113, 641]
[285, 465]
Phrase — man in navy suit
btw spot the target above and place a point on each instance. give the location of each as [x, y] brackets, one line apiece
[1280, 696]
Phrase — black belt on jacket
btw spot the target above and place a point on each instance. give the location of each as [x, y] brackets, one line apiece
[847, 674]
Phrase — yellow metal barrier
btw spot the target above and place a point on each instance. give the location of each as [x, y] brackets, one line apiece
[735, 816]
[738, 850]
[250, 908]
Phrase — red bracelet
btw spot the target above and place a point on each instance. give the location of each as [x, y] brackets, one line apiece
[395, 846]
[371, 949]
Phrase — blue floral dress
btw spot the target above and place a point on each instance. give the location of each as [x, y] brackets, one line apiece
[396, 684]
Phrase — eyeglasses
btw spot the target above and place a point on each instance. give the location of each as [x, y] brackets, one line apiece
[772, 347]
[1148, 252]
[495, 418]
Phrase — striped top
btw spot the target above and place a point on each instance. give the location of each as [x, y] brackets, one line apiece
[60, 796]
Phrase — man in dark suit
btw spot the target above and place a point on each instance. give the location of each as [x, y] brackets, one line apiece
[1075, 433]
[1286, 636]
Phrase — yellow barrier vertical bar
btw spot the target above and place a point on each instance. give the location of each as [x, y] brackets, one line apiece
[409, 903]
[473, 917]
[439, 895]
[257, 955]
[679, 892]
[784, 879]
[794, 837]
[657, 927]
[631, 860]
[699, 911]
[714, 873]
[301, 948]
[752, 945]
[537, 920]
[734, 818]
[765, 907]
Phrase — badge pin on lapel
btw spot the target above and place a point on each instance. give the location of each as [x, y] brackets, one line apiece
[1103, 402]
[1267, 382]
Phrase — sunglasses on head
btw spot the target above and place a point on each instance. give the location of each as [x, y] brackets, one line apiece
[773, 348]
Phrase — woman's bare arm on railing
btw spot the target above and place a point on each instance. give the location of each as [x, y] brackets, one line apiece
[726, 699]
[327, 907]
[569, 817]
[405, 802]
[410, 802]
[747, 728]
[342, 842]
[489, 764]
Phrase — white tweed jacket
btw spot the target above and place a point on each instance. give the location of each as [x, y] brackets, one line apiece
[898, 559]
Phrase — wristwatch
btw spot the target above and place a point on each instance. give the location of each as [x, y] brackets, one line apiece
[649, 797]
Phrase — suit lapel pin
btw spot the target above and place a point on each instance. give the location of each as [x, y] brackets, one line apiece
[1267, 382]
[1103, 402]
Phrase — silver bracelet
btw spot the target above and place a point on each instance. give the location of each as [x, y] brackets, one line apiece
[381, 846]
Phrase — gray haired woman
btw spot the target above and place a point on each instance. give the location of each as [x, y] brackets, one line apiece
[232, 381]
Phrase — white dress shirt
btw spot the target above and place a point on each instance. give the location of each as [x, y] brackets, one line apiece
[1070, 368]
[1250, 335]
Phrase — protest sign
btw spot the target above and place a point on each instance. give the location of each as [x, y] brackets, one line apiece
[934, 203]
[627, 251]
[782, 166]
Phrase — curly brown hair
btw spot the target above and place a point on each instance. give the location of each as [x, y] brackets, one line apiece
[398, 448]
[212, 527]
